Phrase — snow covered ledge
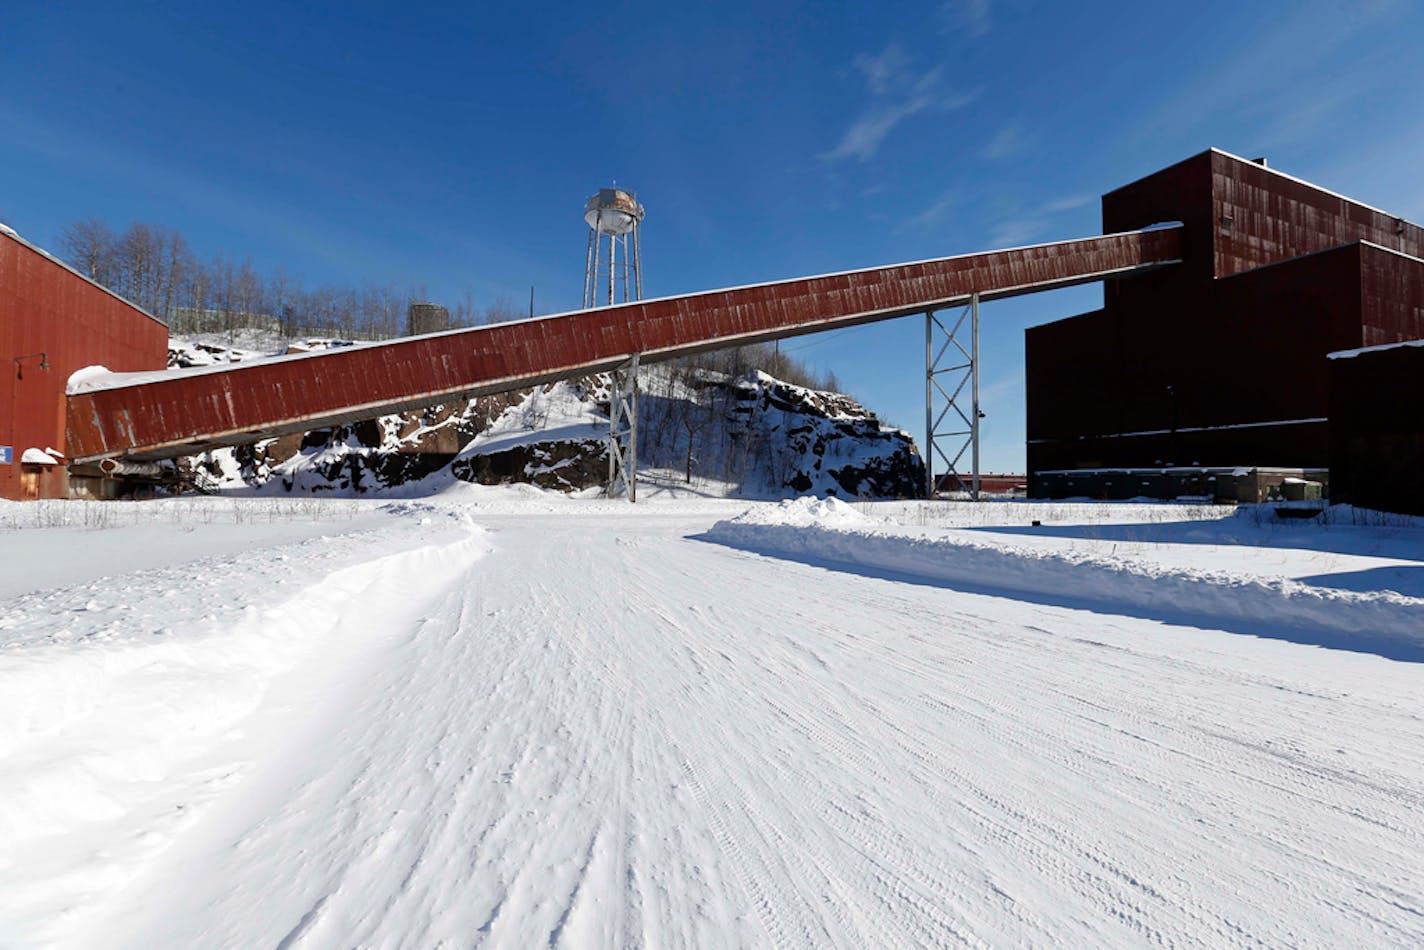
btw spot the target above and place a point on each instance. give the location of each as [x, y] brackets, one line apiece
[33, 456]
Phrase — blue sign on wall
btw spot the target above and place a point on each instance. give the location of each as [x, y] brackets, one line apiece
[6, 455]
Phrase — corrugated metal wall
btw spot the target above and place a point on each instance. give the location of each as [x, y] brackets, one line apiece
[45, 308]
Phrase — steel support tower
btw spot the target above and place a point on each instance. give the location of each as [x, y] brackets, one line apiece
[950, 367]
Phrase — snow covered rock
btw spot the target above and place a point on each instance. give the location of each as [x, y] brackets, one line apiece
[752, 435]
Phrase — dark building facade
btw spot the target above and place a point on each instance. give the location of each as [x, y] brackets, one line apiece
[1377, 428]
[1220, 361]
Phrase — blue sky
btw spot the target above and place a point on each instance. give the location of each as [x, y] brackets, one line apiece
[453, 145]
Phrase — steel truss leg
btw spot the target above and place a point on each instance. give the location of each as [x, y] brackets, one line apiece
[948, 370]
[623, 422]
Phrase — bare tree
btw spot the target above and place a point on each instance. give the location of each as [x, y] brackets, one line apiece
[89, 246]
[280, 300]
[503, 310]
[180, 262]
[137, 261]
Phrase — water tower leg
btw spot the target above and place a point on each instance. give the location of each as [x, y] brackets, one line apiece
[593, 273]
[589, 269]
[638, 260]
[623, 422]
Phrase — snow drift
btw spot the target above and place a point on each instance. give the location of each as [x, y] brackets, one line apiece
[833, 533]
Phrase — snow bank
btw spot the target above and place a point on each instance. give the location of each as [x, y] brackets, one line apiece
[113, 743]
[1381, 621]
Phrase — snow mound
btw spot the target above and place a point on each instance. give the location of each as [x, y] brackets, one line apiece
[805, 512]
[80, 376]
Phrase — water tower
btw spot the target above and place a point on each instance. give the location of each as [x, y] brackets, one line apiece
[616, 215]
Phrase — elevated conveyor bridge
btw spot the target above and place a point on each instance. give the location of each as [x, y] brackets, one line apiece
[165, 415]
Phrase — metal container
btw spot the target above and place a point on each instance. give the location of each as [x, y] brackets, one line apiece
[613, 211]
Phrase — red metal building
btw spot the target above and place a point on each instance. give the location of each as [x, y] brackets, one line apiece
[1221, 360]
[52, 322]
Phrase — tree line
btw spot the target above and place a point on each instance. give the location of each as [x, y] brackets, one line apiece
[155, 268]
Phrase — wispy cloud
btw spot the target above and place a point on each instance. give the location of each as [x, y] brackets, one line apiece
[974, 17]
[1006, 385]
[883, 72]
[1066, 203]
[1005, 143]
[1017, 232]
[897, 93]
[932, 212]
[1033, 225]
[1289, 101]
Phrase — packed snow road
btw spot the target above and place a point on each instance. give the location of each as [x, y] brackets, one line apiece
[604, 729]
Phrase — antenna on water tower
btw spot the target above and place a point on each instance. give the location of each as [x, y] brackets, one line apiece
[616, 215]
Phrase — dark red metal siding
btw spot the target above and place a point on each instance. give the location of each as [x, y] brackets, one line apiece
[1377, 430]
[288, 395]
[1180, 192]
[1253, 354]
[1073, 355]
[1392, 297]
[1275, 217]
[46, 308]
[1274, 327]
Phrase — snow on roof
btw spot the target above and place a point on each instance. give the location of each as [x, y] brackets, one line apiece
[38, 457]
[76, 378]
[1350, 354]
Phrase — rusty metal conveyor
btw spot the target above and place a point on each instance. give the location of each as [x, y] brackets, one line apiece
[187, 411]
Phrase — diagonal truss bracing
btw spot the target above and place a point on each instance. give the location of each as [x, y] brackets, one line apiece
[623, 430]
[951, 414]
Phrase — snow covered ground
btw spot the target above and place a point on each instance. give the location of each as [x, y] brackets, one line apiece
[508, 718]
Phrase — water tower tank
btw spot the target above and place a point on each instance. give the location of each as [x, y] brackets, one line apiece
[612, 211]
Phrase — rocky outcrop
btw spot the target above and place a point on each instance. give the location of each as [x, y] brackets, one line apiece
[826, 443]
[753, 435]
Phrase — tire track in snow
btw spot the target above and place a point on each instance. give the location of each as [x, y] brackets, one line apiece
[605, 734]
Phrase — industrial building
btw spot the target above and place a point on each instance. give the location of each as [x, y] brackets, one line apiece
[1227, 284]
[1218, 363]
[54, 321]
